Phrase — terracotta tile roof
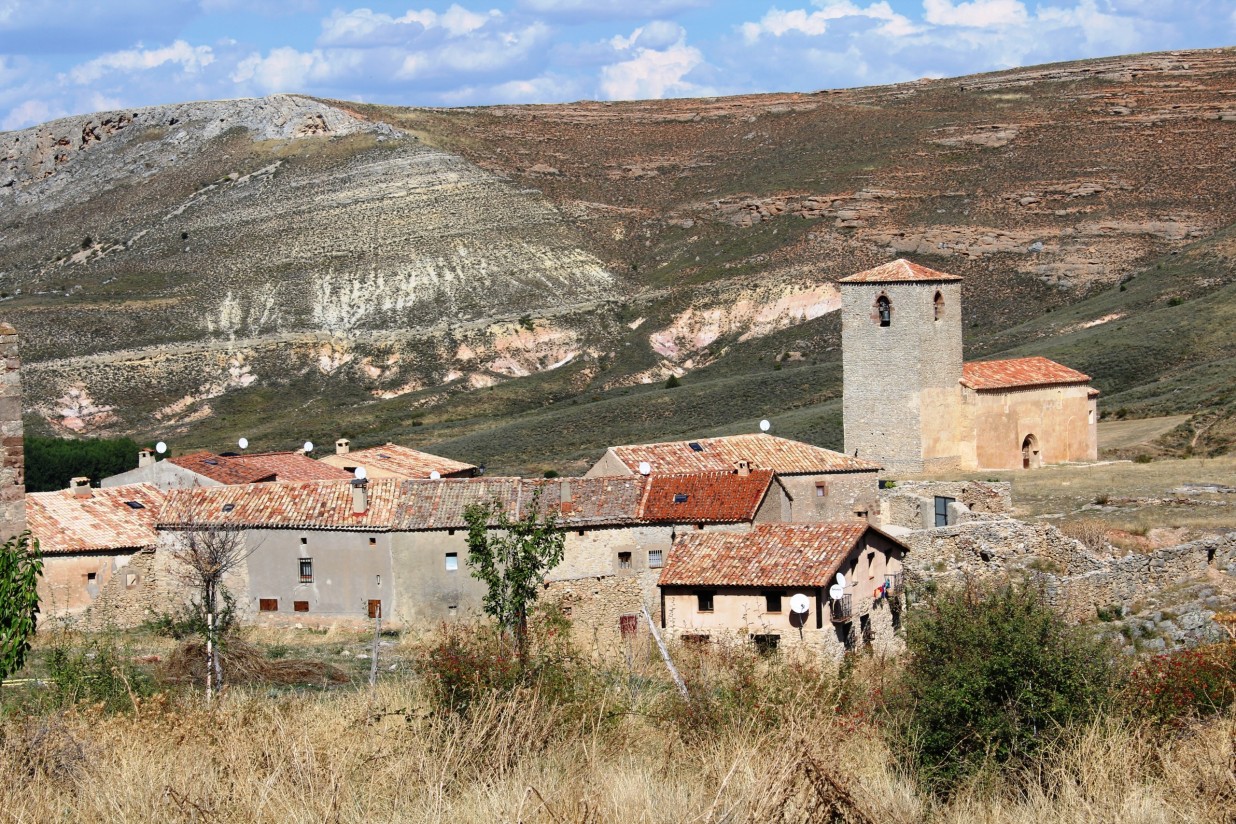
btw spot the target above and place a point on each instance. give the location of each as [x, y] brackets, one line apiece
[899, 271]
[292, 466]
[784, 555]
[221, 469]
[1018, 372]
[301, 505]
[401, 461]
[440, 504]
[782, 456]
[705, 497]
[65, 523]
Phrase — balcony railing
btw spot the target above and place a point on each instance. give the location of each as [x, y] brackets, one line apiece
[841, 609]
[894, 584]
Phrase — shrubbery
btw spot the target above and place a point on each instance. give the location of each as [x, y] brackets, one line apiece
[1184, 684]
[51, 462]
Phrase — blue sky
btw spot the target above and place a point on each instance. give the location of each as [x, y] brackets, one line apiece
[77, 56]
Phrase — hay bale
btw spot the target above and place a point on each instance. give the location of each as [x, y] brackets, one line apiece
[244, 663]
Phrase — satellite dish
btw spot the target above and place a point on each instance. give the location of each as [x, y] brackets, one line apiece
[435, 475]
[308, 446]
[160, 447]
[840, 579]
[645, 467]
[836, 592]
[243, 443]
[361, 474]
[800, 603]
[765, 425]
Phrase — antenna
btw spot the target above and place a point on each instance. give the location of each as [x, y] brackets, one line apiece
[645, 468]
[361, 474]
[160, 447]
[435, 475]
[799, 603]
[308, 447]
[765, 425]
[243, 443]
[836, 592]
[840, 579]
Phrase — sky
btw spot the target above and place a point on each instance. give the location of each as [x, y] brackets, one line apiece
[80, 56]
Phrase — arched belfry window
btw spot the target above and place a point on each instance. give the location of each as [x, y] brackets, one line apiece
[884, 308]
[939, 302]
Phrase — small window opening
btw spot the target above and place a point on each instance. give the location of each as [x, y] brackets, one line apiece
[373, 541]
[134, 505]
[300, 606]
[766, 644]
[452, 560]
[772, 601]
[681, 497]
[453, 611]
[870, 564]
[130, 580]
[885, 309]
[306, 570]
[705, 601]
[268, 605]
[821, 489]
[699, 527]
[580, 532]
[624, 560]
[91, 577]
[304, 541]
[450, 532]
[228, 507]
[939, 306]
[695, 446]
[654, 558]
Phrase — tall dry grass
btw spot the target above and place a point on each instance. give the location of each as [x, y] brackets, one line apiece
[629, 753]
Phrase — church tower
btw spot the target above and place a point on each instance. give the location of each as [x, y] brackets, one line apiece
[901, 360]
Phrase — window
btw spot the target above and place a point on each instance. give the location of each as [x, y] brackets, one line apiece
[373, 541]
[705, 601]
[871, 565]
[654, 558]
[375, 609]
[306, 570]
[452, 611]
[450, 532]
[268, 604]
[304, 541]
[696, 639]
[699, 527]
[624, 560]
[627, 625]
[772, 601]
[695, 446]
[579, 532]
[885, 309]
[137, 505]
[766, 644]
[130, 580]
[230, 507]
[452, 561]
[681, 497]
[942, 510]
[91, 577]
[300, 606]
[821, 489]
[939, 305]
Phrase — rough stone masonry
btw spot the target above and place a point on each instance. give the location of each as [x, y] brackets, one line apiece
[12, 457]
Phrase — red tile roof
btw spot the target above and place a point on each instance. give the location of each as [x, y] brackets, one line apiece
[66, 523]
[403, 461]
[711, 497]
[302, 505]
[899, 271]
[221, 469]
[783, 555]
[1018, 373]
[259, 467]
[782, 456]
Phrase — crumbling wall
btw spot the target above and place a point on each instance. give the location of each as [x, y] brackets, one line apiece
[12, 456]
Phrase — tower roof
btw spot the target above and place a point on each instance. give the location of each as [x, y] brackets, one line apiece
[899, 271]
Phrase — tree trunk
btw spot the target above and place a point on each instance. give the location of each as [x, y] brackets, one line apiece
[210, 643]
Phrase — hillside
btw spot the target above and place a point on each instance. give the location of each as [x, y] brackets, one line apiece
[514, 284]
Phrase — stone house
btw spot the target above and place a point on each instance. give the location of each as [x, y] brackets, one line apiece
[821, 485]
[911, 404]
[394, 461]
[98, 549]
[739, 586]
[208, 469]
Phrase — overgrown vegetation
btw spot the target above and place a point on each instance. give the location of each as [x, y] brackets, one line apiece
[52, 462]
[21, 566]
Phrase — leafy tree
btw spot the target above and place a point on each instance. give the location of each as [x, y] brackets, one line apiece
[511, 557]
[51, 462]
[672, 382]
[21, 565]
[993, 674]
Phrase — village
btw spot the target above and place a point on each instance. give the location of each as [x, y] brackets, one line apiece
[751, 538]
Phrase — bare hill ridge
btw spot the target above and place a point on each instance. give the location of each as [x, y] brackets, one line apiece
[177, 269]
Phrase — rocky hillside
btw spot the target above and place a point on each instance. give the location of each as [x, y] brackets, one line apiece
[513, 280]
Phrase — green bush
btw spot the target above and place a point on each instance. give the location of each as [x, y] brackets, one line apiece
[673, 382]
[95, 670]
[992, 675]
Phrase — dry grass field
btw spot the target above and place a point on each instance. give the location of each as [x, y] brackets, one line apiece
[803, 746]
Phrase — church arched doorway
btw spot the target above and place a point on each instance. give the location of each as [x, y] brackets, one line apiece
[1030, 457]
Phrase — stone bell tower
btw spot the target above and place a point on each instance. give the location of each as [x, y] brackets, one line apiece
[901, 361]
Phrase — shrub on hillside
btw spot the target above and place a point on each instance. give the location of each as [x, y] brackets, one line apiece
[1176, 686]
[992, 675]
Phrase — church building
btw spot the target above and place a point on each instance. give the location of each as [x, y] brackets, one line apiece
[912, 405]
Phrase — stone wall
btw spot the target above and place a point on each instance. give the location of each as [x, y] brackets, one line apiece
[845, 493]
[12, 456]
[596, 606]
[1060, 418]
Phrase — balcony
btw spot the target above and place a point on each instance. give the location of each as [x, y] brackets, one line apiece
[841, 609]
[894, 584]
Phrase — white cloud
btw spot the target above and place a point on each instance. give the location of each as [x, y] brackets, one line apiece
[777, 22]
[976, 14]
[652, 73]
[588, 10]
[363, 28]
[190, 59]
[30, 113]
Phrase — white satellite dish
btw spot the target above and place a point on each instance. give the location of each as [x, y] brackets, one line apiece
[160, 447]
[361, 474]
[800, 603]
[243, 443]
[836, 592]
[435, 475]
[840, 579]
[645, 467]
[765, 425]
[308, 446]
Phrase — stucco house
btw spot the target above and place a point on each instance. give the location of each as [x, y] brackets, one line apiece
[394, 461]
[739, 586]
[209, 469]
[98, 549]
[822, 485]
[911, 404]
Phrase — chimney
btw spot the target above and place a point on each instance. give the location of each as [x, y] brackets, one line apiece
[342, 446]
[743, 467]
[81, 487]
[566, 501]
[360, 496]
[145, 458]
